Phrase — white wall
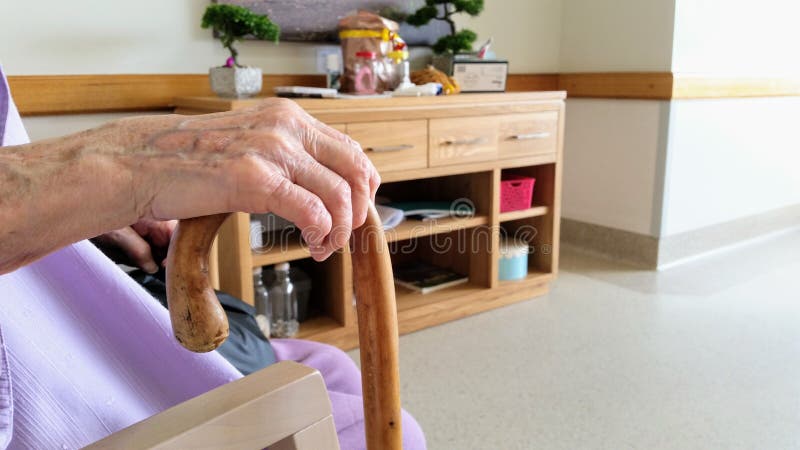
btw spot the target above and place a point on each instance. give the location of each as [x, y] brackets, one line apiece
[143, 36]
[526, 32]
[737, 37]
[612, 158]
[614, 149]
[156, 36]
[663, 168]
[616, 35]
[732, 158]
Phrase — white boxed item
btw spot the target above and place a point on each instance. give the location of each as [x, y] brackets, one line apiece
[480, 75]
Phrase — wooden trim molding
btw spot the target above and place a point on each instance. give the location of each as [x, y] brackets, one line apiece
[72, 94]
[60, 94]
[695, 86]
[671, 86]
[524, 82]
[633, 85]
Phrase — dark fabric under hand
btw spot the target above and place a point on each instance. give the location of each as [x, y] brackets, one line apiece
[246, 347]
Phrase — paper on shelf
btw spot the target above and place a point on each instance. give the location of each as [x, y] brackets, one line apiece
[390, 217]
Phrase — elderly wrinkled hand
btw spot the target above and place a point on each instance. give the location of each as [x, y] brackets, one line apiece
[270, 158]
[143, 244]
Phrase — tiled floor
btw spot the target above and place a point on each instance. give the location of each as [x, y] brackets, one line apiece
[701, 356]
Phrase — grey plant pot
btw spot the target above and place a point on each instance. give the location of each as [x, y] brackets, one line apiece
[235, 82]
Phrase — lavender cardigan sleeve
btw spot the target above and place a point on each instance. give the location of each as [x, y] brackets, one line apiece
[84, 351]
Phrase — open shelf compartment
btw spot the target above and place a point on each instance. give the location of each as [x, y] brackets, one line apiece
[330, 298]
[464, 251]
[543, 193]
[538, 232]
[280, 246]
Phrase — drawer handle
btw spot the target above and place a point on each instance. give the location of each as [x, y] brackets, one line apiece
[530, 136]
[473, 141]
[390, 148]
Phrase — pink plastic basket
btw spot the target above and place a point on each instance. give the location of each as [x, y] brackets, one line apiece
[516, 192]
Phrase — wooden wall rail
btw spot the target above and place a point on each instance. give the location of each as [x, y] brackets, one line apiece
[634, 85]
[69, 94]
[521, 82]
[694, 86]
[66, 94]
[672, 86]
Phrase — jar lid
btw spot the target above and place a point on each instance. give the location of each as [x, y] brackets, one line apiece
[513, 247]
[366, 54]
[282, 267]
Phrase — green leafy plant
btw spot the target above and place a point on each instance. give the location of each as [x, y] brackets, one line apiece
[456, 41]
[232, 23]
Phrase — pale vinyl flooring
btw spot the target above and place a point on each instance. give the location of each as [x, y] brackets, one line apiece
[705, 355]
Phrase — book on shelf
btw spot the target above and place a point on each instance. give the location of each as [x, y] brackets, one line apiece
[423, 277]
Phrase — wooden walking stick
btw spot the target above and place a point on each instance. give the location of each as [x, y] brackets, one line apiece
[377, 334]
[199, 322]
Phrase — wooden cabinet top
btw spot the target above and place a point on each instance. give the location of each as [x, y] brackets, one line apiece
[392, 108]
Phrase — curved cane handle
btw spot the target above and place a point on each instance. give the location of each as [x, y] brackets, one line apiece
[198, 320]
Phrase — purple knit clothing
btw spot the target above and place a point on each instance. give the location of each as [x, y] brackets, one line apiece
[11, 130]
[85, 351]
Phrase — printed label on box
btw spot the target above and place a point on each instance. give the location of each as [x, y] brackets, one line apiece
[481, 77]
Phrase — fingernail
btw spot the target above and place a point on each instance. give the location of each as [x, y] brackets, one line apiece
[150, 267]
[316, 252]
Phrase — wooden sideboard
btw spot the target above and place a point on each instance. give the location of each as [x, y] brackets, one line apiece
[440, 148]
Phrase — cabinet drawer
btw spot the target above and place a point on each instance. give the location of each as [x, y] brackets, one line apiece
[528, 134]
[462, 140]
[393, 145]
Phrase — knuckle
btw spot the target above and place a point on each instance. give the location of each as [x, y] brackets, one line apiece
[275, 189]
[362, 167]
[281, 186]
[311, 141]
[339, 198]
[313, 210]
[352, 143]
[344, 192]
[286, 109]
[249, 168]
[275, 139]
[278, 103]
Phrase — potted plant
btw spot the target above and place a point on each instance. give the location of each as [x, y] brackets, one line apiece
[454, 43]
[232, 23]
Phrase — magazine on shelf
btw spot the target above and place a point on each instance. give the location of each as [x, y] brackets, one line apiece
[423, 277]
[434, 209]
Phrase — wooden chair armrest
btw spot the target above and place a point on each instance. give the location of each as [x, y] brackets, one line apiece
[285, 406]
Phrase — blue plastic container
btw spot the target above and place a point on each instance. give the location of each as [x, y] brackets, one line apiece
[513, 259]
